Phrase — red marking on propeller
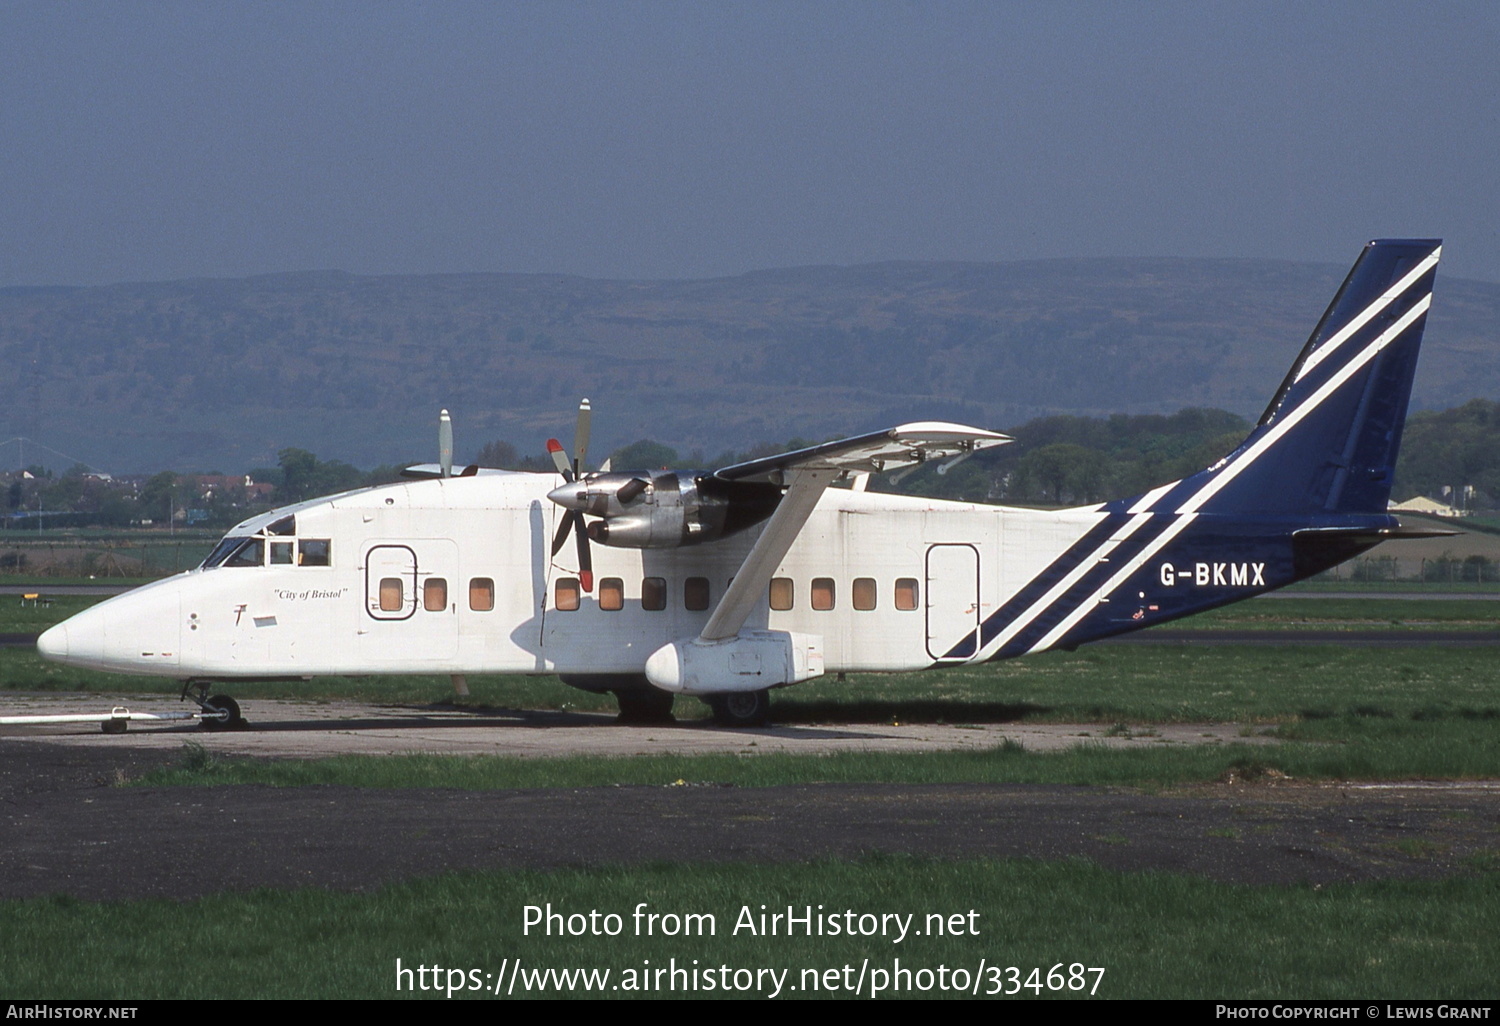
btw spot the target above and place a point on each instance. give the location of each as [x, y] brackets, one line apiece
[553, 445]
[586, 577]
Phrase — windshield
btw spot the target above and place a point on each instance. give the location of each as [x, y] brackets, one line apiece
[223, 549]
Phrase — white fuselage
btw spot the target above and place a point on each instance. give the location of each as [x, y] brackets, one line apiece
[478, 592]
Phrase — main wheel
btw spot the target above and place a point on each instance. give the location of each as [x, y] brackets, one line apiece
[222, 704]
[645, 706]
[741, 708]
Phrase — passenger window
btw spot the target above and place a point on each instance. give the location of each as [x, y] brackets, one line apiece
[435, 594]
[695, 593]
[281, 553]
[611, 594]
[906, 593]
[864, 593]
[568, 594]
[315, 552]
[822, 593]
[781, 593]
[392, 595]
[654, 594]
[481, 594]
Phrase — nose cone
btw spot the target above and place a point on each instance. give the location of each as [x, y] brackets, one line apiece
[53, 644]
[78, 641]
[136, 632]
[573, 495]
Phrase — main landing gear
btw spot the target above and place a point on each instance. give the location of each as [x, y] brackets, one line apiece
[220, 712]
[641, 704]
[741, 708]
[645, 706]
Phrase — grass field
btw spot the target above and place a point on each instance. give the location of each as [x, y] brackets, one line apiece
[1154, 935]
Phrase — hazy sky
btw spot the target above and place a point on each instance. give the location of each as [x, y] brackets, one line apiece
[669, 140]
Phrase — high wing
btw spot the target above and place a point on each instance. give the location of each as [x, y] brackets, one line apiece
[806, 473]
[879, 451]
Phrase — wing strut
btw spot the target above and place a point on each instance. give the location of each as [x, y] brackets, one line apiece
[805, 487]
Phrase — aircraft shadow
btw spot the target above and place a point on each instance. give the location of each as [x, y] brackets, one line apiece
[447, 717]
[874, 711]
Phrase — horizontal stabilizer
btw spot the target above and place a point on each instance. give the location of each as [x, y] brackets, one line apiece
[1402, 531]
[1317, 549]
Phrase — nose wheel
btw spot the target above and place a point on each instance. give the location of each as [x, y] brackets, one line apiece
[220, 712]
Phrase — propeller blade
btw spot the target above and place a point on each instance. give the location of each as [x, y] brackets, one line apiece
[581, 437]
[445, 443]
[561, 536]
[559, 459]
[585, 557]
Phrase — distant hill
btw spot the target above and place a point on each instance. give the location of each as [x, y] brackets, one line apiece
[220, 374]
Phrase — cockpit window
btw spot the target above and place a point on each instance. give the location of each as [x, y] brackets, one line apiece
[223, 549]
[315, 552]
[285, 526]
[251, 553]
[239, 550]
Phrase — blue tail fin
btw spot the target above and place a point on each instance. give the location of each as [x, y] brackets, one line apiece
[1329, 439]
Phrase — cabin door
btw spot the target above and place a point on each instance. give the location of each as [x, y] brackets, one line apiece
[411, 613]
[952, 601]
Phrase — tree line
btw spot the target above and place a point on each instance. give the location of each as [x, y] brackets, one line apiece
[1054, 461]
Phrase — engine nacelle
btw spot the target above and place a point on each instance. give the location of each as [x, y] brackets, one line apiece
[664, 509]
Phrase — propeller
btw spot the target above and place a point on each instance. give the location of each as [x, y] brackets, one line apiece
[444, 466]
[445, 443]
[570, 470]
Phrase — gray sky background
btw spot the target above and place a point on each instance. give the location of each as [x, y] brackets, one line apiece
[143, 141]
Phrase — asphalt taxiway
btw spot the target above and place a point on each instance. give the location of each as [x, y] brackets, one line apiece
[302, 730]
[70, 829]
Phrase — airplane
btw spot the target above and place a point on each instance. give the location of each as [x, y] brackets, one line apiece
[730, 583]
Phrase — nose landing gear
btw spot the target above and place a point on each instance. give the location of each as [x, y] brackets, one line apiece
[220, 712]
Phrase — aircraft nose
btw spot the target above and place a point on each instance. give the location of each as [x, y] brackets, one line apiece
[53, 643]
